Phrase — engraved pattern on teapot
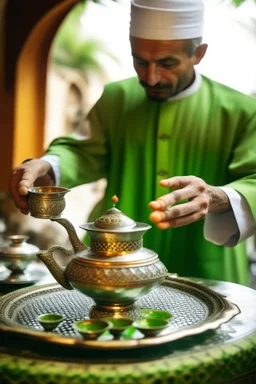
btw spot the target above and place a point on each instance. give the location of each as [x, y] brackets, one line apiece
[113, 276]
[116, 247]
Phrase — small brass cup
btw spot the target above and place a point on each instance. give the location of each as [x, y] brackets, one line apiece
[46, 202]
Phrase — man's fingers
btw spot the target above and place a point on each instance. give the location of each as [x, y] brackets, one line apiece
[14, 181]
[185, 188]
[181, 221]
[172, 198]
[28, 177]
[24, 211]
[189, 202]
[24, 177]
[179, 182]
[18, 187]
[179, 211]
[23, 191]
[157, 216]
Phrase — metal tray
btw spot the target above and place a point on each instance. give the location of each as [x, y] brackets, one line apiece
[195, 309]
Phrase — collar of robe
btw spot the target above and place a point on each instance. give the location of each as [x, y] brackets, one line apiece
[188, 91]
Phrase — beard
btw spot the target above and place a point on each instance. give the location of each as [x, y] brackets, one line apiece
[159, 92]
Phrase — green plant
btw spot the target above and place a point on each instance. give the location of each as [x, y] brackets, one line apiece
[239, 2]
[71, 49]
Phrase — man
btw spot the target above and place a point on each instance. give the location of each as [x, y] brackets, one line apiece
[169, 142]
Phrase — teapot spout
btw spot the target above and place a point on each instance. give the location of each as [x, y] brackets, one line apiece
[54, 268]
[77, 244]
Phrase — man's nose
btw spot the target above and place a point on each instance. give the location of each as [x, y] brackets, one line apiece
[152, 74]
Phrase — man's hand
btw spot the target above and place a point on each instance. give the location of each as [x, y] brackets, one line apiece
[171, 211]
[26, 175]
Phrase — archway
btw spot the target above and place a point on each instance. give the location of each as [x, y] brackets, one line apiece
[26, 35]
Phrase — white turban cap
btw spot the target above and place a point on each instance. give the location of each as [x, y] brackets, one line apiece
[166, 19]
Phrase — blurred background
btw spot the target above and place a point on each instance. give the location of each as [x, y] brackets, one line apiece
[55, 64]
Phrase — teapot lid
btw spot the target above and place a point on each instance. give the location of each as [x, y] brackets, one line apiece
[115, 220]
[18, 246]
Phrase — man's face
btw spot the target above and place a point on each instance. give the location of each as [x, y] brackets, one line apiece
[164, 66]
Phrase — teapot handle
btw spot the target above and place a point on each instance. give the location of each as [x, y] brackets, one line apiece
[67, 252]
[54, 268]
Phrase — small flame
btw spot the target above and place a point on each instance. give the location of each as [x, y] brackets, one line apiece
[114, 200]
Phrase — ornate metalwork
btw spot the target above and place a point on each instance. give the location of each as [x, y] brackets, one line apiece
[46, 202]
[115, 247]
[195, 309]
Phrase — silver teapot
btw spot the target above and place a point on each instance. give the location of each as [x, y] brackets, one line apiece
[115, 271]
[16, 257]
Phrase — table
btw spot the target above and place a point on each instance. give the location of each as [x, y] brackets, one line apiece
[226, 355]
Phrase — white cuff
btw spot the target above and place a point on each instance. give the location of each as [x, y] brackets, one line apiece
[232, 227]
[55, 163]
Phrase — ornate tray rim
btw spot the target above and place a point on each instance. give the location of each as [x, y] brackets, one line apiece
[221, 310]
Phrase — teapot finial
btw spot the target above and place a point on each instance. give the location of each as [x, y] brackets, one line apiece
[114, 200]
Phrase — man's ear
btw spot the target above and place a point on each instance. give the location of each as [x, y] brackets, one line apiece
[199, 53]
